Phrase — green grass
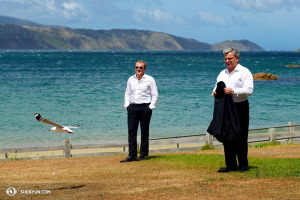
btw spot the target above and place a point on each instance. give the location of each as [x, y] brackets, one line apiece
[262, 145]
[207, 147]
[258, 167]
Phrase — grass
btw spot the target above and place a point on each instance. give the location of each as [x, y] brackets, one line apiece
[207, 147]
[274, 174]
[269, 144]
[259, 167]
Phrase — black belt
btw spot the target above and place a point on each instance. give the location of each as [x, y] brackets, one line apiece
[140, 104]
[241, 102]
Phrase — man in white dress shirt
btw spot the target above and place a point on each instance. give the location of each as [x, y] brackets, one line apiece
[239, 84]
[139, 104]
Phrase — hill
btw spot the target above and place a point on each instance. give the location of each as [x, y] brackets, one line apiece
[22, 22]
[23, 34]
[241, 45]
[17, 37]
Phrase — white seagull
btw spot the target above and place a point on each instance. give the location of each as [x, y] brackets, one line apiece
[58, 128]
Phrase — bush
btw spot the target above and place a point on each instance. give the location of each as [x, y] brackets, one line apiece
[207, 147]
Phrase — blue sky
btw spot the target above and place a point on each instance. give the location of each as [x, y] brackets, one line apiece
[272, 24]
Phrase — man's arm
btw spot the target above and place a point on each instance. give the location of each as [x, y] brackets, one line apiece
[154, 94]
[127, 95]
[248, 86]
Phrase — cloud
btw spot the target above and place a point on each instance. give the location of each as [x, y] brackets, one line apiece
[50, 10]
[263, 5]
[159, 18]
[73, 9]
[209, 19]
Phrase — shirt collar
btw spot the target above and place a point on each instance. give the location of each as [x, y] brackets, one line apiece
[237, 68]
[141, 78]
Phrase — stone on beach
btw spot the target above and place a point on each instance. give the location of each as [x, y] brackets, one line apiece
[263, 76]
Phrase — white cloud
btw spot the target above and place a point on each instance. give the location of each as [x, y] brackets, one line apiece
[158, 18]
[49, 10]
[263, 5]
[73, 9]
[209, 19]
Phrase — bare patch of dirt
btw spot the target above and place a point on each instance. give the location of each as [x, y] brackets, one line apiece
[107, 178]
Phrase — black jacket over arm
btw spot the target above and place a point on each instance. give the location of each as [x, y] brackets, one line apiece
[225, 125]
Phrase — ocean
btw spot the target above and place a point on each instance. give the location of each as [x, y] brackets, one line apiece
[72, 87]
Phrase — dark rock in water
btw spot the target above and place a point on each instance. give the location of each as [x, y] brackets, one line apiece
[290, 65]
[263, 76]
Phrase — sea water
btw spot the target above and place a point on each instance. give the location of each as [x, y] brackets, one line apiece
[72, 87]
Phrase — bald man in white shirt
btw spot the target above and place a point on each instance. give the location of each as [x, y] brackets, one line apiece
[239, 84]
[141, 96]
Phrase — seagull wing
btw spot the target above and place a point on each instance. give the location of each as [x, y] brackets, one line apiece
[44, 120]
[74, 126]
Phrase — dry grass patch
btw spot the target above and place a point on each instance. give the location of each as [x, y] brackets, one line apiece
[159, 177]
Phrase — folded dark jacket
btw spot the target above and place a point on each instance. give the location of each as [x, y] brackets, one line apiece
[225, 125]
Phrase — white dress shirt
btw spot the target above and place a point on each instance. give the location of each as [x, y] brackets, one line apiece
[139, 92]
[240, 80]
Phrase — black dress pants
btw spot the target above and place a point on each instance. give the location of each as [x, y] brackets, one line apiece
[239, 148]
[138, 114]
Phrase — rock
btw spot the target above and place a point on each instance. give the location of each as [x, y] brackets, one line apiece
[263, 76]
[290, 65]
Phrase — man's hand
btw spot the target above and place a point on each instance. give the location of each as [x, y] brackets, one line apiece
[214, 94]
[227, 90]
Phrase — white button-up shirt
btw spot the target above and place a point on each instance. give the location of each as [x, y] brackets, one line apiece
[240, 80]
[139, 92]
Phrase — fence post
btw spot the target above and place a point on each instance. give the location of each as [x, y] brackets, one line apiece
[209, 139]
[292, 128]
[67, 150]
[138, 142]
[272, 132]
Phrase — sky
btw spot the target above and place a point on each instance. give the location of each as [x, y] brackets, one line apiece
[271, 24]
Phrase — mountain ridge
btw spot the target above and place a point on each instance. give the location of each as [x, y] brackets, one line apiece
[24, 34]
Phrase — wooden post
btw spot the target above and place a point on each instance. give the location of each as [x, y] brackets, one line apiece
[138, 142]
[6, 155]
[272, 132]
[292, 128]
[209, 139]
[67, 150]
[291, 140]
[123, 148]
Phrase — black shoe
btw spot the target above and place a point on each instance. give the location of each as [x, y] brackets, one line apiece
[226, 170]
[244, 169]
[129, 159]
[141, 158]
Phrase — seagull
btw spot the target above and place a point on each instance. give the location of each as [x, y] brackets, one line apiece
[58, 128]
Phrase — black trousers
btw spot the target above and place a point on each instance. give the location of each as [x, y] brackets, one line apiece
[138, 114]
[239, 148]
